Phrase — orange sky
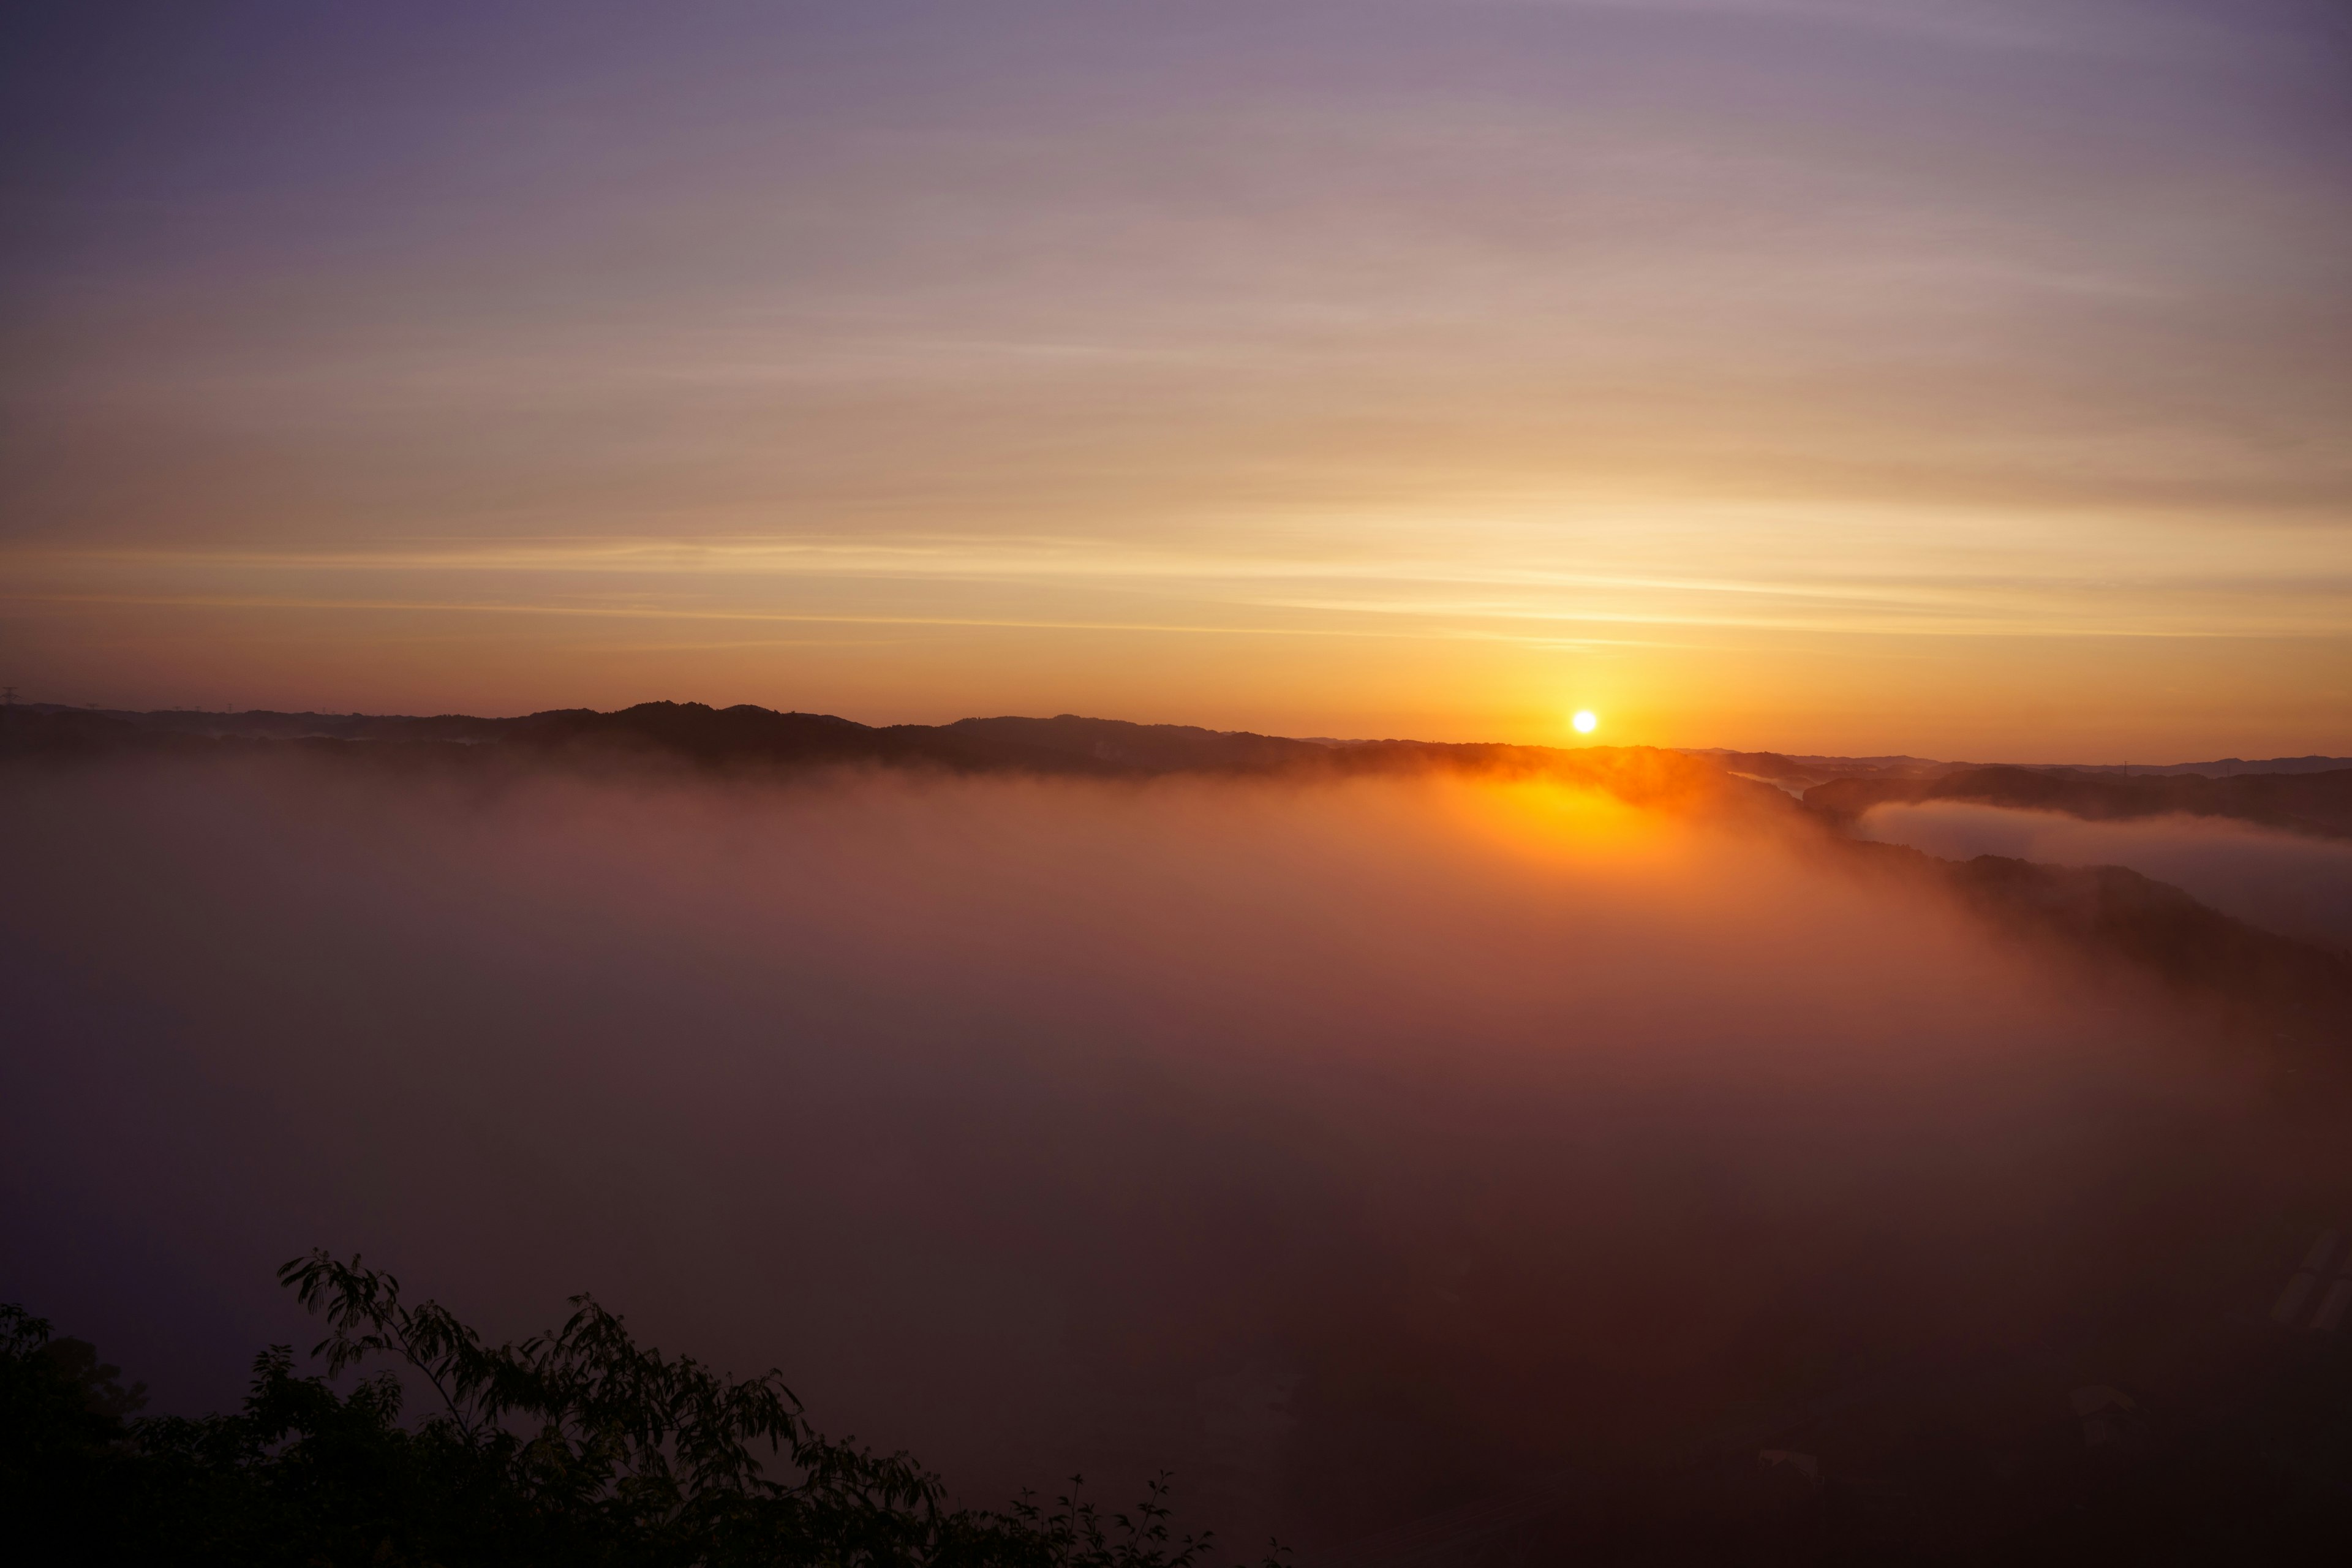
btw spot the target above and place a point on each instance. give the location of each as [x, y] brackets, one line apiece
[1962, 379]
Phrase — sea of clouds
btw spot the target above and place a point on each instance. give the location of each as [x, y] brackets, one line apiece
[1351, 1148]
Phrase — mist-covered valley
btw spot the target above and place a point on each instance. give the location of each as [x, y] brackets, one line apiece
[1366, 1147]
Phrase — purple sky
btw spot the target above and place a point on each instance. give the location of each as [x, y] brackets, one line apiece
[1960, 378]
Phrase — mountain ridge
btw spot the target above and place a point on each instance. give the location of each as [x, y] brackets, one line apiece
[273, 724]
[2319, 805]
[2303, 992]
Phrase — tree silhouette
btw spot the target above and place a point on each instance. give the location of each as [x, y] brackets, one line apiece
[576, 1446]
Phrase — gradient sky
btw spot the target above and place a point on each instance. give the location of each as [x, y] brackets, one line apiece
[1967, 378]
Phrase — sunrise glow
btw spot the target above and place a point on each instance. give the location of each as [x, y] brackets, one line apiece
[1317, 369]
[876, 689]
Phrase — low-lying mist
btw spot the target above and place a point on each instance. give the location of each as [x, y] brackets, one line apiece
[2286, 882]
[1354, 1149]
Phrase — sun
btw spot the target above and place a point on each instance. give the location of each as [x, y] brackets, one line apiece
[1586, 721]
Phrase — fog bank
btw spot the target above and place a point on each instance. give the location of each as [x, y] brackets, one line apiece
[1351, 1148]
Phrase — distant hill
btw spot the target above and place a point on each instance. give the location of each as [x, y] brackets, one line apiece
[697, 728]
[1795, 773]
[748, 738]
[2313, 803]
[262, 725]
[2285, 991]
[2227, 767]
[1791, 769]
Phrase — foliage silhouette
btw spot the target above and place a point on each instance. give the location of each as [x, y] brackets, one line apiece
[575, 1446]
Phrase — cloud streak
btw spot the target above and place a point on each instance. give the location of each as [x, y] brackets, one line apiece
[1812, 341]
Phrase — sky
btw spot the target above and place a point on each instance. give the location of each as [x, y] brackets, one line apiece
[1964, 379]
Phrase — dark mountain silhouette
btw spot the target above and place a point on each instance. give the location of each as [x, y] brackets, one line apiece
[262, 725]
[747, 738]
[1779, 765]
[2226, 767]
[1156, 748]
[1798, 772]
[1066, 743]
[40, 731]
[2314, 802]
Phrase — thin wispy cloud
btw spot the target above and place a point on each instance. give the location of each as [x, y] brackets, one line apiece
[1523, 325]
